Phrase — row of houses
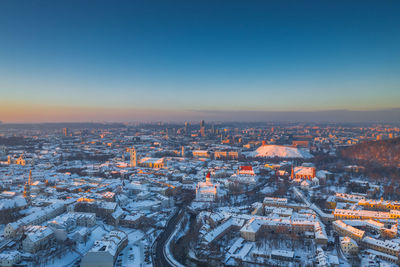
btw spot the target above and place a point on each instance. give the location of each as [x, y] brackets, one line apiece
[35, 218]
[388, 250]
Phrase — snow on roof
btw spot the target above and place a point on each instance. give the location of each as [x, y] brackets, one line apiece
[109, 243]
[254, 224]
[349, 197]
[282, 253]
[301, 170]
[320, 212]
[346, 240]
[37, 232]
[200, 151]
[275, 200]
[36, 215]
[322, 173]
[16, 202]
[388, 244]
[217, 217]
[378, 202]
[107, 205]
[133, 217]
[8, 194]
[340, 224]
[117, 213]
[9, 255]
[384, 255]
[151, 160]
[235, 245]
[221, 229]
[365, 213]
[271, 151]
[244, 251]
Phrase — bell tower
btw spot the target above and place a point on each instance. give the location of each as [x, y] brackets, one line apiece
[27, 187]
[133, 157]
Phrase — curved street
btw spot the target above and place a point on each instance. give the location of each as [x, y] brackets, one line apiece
[159, 259]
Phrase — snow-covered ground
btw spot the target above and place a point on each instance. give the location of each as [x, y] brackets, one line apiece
[66, 260]
[133, 254]
[96, 234]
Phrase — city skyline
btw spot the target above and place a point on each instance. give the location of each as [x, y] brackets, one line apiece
[151, 61]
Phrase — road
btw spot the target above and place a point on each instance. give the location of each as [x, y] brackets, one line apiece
[342, 258]
[158, 256]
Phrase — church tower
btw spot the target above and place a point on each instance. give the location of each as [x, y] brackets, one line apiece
[133, 157]
[27, 187]
[292, 174]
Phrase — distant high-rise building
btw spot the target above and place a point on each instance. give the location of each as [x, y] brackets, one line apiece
[187, 128]
[202, 128]
[66, 131]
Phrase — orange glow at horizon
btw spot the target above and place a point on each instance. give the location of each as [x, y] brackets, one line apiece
[31, 113]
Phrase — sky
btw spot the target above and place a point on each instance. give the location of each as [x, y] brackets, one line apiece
[188, 60]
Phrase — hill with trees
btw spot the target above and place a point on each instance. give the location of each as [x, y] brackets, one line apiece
[383, 153]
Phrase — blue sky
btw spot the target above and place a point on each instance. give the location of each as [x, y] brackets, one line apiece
[160, 57]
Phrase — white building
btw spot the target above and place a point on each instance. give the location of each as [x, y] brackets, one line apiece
[66, 223]
[105, 251]
[37, 238]
[207, 191]
[348, 245]
[35, 218]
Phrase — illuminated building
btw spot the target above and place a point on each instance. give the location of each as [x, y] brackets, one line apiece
[148, 162]
[27, 188]
[348, 245]
[226, 155]
[246, 170]
[302, 172]
[133, 158]
[201, 153]
[21, 160]
[380, 204]
[344, 229]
